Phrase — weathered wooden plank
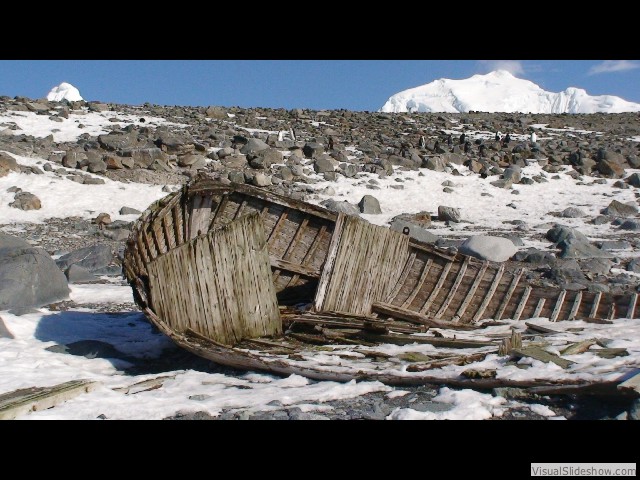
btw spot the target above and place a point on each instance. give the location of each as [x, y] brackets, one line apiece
[596, 304]
[523, 302]
[507, 296]
[539, 307]
[281, 221]
[294, 267]
[414, 317]
[177, 224]
[327, 271]
[540, 328]
[558, 307]
[612, 311]
[489, 296]
[472, 291]
[145, 385]
[418, 286]
[436, 289]
[576, 306]
[538, 353]
[631, 309]
[432, 250]
[218, 285]
[443, 362]
[400, 339]
[454, 288]
[296, 238]
[26, 400]
[405, 273]
[241, 208]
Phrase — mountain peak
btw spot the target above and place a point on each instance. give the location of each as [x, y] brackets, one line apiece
[501, 91]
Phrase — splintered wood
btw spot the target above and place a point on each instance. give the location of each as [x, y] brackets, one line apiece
[218, 285]
[363, 265]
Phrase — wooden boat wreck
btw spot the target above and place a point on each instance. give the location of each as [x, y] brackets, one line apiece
[254, 280]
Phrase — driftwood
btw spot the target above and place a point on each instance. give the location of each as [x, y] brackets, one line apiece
[145, 385]
[26, 400]
[579, 347]
[538, 353]
[443, 362]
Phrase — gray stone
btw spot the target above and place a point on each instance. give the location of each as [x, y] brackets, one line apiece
[512, 174]
[613, 245]
[312, 150]
[28, 276]
[93, 181]
[573, 247]
[236, 177]
[634, 265]
[235, 161]
[324, 164]
[129, 211]
[572, 212]
[369, 204]
[73, 159]
[598, 266]
[96, 165]
[77, 274]
[266, 158]
[116, 234]
[349, 170]
[502, 183]
[494, 249]
[344, 207]
[91, 258]
[630, 224]
[618, 209]
[253, 146]
[26, 201]
[117, 141]
[195, 162]
[449, 214]
[261, 180]
[436, 164]
[610, 169]
[286, 174]
[415, 231]
[216, 112]
[634, 180]
[561, 232]
[7, 164]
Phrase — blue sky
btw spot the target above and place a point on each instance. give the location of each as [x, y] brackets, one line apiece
[314, 84]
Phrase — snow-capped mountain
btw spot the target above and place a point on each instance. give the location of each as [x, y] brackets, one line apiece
[500, 91]
[64, 91]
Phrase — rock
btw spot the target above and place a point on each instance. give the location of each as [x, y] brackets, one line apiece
[611, 169]
[117, 141]
[192, 161]
[449, 214]
[91, 258]
[96, 165]
[253, 146]
[29, 278]
[618, 209]
[116, 234]
[324, 164]
[633, 180]
[312, 150]
[560, 232]
[344, 207]
[434, 163]
[78, 274]
[266, 158]
[113, 162]
[129, 211]
[216, 112]
[572, 247]
[494, 249]
[512, 174]
[26, 201]
[568, 276]
[631, 224]
[598, 266]
[7, 164]
[613, 245]
[235, 162]
[573, 212]
[261, 180]
[634, 265]
[415, 231]
[102, 219]
[73, 159]
[369, 205]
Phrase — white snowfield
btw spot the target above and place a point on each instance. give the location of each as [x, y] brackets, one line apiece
[64, 91]
[500, 91]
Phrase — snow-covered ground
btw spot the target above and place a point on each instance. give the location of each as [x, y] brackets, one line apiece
[25, 362]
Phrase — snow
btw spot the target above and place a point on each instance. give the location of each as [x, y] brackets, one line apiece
[500, 91]
[25, 362]
[64, 91]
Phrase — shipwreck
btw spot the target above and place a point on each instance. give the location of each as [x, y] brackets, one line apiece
[254, 280]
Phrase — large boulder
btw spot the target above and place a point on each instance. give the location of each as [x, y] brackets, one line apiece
[619, 209]
[91, 258]
[449, 214]
[7, 164]
[369, 205]
[344, 207]
[29, 277]
[26, 201]
[494, 249]
[253, 146]
[414, 228]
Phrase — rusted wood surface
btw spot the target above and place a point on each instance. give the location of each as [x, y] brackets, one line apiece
[26, 400]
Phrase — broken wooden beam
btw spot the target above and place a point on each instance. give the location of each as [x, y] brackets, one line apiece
[413, 317]
[26, 400]
[537, 353]
[399, 339]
